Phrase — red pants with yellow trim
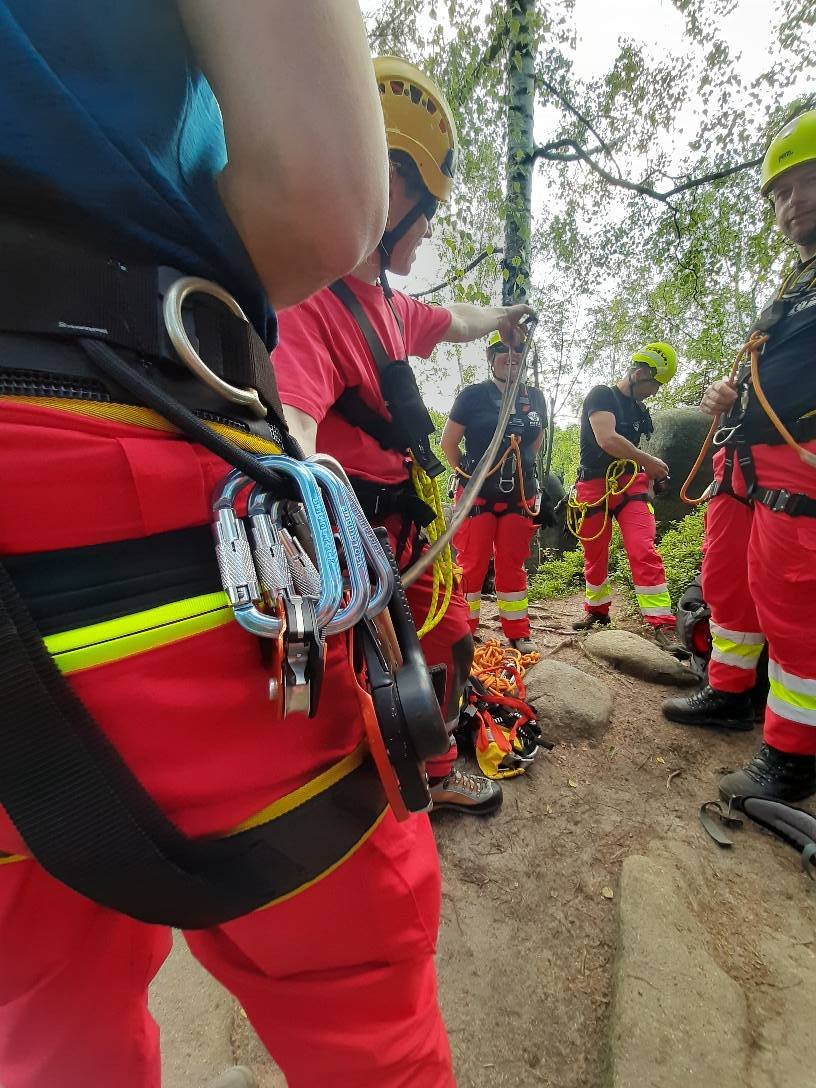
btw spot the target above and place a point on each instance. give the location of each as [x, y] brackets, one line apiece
[505, 537]
[736, 637]
[637, 525]
[774, 556]
[191, 718]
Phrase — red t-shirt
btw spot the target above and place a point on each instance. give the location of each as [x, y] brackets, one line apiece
[322, 352]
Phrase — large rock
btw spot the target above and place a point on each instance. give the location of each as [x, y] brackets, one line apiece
[571, 704]
[678, 435]
[637, 656]
[677, 1018]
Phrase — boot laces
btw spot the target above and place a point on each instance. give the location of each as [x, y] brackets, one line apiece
[472, 783]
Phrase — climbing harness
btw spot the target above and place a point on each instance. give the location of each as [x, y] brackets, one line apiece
[726, 430]
[495, 715]
[507, 484]
[577, 511]
[299, 565]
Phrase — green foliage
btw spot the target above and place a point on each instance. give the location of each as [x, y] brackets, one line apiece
[566, 453]
[558, 576]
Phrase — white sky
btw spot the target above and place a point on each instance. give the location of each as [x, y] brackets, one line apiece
[599, 27]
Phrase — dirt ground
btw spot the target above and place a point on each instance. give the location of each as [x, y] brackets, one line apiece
[528, 937]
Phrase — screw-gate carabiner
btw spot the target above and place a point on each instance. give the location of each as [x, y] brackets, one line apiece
[238, 574]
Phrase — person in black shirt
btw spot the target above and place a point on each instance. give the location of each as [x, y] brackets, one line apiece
[759, 567]
[508, 510]
[613, 421]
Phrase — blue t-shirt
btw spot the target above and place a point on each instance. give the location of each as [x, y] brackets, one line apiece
[110, 131]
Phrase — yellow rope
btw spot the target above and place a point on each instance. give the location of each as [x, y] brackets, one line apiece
[428, 490]
[577, 510]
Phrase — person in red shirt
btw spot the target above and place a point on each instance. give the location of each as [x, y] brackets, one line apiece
[330, 382]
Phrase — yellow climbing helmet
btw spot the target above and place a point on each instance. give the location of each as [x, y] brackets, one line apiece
[794, 144]
[418, 121]
[660, 358]
[494, 340]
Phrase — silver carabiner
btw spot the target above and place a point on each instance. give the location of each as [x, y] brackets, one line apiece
[724, 435]
[383, 583]
[235, 564]
[174, 323]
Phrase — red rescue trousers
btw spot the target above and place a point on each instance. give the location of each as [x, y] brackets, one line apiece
[505, 537]
[636, 520]
[759, 579]
[352, 1003]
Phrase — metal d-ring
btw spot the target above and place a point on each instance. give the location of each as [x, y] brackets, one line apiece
[173, 301]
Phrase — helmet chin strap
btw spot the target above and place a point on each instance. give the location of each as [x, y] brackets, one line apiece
[426, 206]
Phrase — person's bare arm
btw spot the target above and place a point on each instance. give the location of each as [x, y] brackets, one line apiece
[603, 427]
[452, 434]
[307, 180]
[469, 322]
[302, 428]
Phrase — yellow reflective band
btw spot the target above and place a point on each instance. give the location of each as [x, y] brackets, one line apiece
[305, 792]
[512, 606]
[654, 600]
[747, 650]
[144, 417]
[598, 594]
[7, 859]
[475, 606]
[113, 640]
[792, 704]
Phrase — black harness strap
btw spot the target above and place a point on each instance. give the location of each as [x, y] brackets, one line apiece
[88, 821]
[410, 423]
[778, 499]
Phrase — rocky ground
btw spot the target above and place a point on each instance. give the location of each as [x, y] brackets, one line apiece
[592, 934]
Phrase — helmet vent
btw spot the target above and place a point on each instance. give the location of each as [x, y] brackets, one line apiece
[416, 94]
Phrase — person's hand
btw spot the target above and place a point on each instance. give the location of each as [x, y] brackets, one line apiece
[655, 469]
[718, 398]
[509, 325]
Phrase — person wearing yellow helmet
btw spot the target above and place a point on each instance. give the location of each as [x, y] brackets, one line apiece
[511, 505]
[613, 421]
[347, 389]
[761, 521]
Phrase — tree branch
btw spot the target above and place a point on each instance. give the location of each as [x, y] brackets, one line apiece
[565, 102]
[551, 153]
[460, 274]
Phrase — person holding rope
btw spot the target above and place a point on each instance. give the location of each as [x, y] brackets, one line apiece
[613, 483]
[347, 389]
[511, 505]
[122, 663]
[761, 521]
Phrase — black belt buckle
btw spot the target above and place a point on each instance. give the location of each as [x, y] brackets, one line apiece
[780, 503]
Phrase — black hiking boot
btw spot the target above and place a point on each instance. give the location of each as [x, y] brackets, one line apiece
[591, 619]
[779, 776]
[712, 709]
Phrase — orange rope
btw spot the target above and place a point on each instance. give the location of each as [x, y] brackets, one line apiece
[752, 346]
[491, 660]
[514, 449]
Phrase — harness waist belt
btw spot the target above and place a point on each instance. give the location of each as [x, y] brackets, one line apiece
[60, 290]
[83, 814]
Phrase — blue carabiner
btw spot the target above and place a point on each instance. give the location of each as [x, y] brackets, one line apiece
[331, 578]
[354, 549]
[383, 587]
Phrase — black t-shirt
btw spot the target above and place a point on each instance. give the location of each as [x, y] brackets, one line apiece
[632, 421]
[787, 366]
[476, 409]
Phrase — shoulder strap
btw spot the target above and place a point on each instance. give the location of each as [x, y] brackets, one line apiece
[342, 291]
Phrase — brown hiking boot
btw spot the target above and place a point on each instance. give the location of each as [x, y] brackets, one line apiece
[468, 793]
[666, 638]
[591, 619]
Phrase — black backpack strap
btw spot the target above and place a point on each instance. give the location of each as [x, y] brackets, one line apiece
[351, 406]
[89, 822]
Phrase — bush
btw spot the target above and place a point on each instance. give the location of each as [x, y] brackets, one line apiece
[680, 546]
[558, 576]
